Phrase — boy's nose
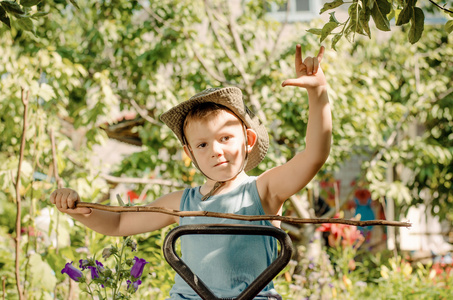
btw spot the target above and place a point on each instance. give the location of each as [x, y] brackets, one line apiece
[216, 149]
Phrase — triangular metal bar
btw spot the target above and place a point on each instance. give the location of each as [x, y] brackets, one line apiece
[221, 229]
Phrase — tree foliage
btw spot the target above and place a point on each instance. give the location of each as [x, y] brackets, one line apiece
[364, 14]
[84, 63]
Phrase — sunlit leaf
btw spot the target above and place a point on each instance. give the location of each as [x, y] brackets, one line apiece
[29, 3]
[12, 7]
[379, 13]
[331, 5]
[406, 14]
[417, 25]
[449, 26]
[4, 17]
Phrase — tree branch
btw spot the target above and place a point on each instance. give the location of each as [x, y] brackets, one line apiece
[114, 179]
[143, 113]
[232, 28]
[274, 47]
[441, 7]
[217, 76]
[223, 45]
[54, 160]
[24, 98]
[239, 217]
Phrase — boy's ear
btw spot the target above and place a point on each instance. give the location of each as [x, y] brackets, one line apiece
[187, 151]
[251, 139]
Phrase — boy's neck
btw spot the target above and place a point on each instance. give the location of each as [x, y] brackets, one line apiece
[226, 187]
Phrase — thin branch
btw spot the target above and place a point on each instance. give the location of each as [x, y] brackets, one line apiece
[165, 182]
[441, 7]
[143, 113]
[210, 214]
[57, 179]
[54, 160]
[224, 46]
[232, 28]
[256, 103]
[216, 75]
[24, 97]
[273, 50]
[219, 77]
[4, 287]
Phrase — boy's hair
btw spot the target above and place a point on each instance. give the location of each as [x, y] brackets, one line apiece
[205, 110]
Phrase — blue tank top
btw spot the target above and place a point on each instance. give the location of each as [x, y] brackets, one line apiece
[227, 264]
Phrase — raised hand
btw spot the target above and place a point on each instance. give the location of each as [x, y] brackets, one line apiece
[65, 200]
[308, 71]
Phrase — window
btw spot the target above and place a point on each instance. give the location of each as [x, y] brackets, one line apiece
[296, 10]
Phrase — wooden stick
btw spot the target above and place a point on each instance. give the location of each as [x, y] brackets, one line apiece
[210, 214]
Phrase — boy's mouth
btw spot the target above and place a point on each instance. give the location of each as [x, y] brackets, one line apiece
[220, 163]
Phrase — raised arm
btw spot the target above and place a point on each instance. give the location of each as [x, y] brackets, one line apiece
[279, 183]
[113, 223]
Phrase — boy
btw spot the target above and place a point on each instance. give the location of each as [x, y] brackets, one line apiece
[224, 140]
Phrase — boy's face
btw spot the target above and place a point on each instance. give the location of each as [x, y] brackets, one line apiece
[218, 144]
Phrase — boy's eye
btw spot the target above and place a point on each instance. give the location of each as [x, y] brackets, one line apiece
[202, 145]
[225, 138]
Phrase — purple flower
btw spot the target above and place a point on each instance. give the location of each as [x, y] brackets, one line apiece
[99, 266]
[74, 273]
[96, 269]
[94, 272]
[132, 286]
[137, 268]
[83, 264]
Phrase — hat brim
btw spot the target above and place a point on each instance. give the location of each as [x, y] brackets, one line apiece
[230, 97]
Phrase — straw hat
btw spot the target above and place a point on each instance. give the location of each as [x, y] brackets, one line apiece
[230, 97]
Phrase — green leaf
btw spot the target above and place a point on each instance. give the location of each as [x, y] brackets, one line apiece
[406, 14]
[42, 275]
[332, 18]
[417, 25]
[4, 17]
[331, 5]
[364, 20]
[316, 31]
[354, 25]
[29, 3]
[46, 92]
[39, 14]
[26, 24]
[379, 13]
[327, 29]
[449, 26]
[120, 200]
[335, 40]
[12, 7]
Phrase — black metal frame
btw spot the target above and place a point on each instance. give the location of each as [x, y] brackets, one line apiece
[220, 229]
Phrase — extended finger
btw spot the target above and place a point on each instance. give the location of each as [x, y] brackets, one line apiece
[321, 53]
[298, 60]
[293, 82]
